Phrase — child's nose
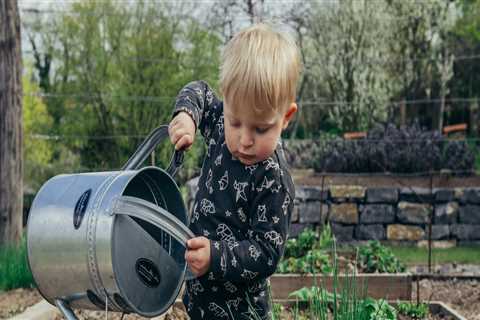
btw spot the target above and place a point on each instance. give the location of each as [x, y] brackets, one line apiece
[246, 139]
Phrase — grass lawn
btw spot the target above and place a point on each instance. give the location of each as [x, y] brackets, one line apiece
[418, 256]
[14, 271]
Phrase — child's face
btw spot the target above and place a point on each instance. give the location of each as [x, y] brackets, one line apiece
[251, 137]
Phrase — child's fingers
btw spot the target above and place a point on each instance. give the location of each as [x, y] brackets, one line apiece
[195, 259]
[184, 142]
[176, 134]
[197, 243]
[175, 131]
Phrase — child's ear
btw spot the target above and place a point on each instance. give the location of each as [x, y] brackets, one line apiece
[289, 114]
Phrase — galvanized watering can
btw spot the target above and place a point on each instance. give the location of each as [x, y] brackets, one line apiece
[111, 240]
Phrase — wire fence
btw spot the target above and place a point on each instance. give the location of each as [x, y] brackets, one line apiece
[462, 102]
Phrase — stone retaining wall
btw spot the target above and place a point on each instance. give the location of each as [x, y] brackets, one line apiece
[399, 215]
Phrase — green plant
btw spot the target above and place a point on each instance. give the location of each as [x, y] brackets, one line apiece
[14, 270]
[304, 242]
[309, 294]
[314, 261]
[326, 237]
[374, 257]
[372, 309]
[413, 310]
[307, 253]
[277, 310]
[344, 303]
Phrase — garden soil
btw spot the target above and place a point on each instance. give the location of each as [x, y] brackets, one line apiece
[461, 295]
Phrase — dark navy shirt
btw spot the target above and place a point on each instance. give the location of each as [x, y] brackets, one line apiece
[244, 210]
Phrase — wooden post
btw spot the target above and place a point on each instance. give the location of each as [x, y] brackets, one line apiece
[474, 118]
[11, 165]
[403, 113]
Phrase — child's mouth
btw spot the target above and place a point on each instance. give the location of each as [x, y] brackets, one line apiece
[246, 156]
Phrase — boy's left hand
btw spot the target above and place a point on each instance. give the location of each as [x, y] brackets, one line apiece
[198, 255]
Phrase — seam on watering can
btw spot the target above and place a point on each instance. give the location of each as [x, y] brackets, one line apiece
[91, 236]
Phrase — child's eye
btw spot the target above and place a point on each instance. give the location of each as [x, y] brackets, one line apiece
[261, 130]
[235, 124]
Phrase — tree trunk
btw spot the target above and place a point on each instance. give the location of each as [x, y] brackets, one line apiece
[11, 166]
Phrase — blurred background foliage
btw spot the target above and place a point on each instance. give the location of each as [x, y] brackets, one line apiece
[100, 75]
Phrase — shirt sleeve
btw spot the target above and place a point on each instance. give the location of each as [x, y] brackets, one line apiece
[258, 256]
[200, 102]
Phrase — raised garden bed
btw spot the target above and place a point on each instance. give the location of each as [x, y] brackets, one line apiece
[437, 310]
[385, 286]
[445, 312]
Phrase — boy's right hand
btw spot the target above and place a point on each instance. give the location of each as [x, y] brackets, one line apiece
[182, 131]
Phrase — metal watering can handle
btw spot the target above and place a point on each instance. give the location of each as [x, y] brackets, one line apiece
[146, 148]
[151, 213]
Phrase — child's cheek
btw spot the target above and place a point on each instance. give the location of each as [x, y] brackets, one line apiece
[266, 147]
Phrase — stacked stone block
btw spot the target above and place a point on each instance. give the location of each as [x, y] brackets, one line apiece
[392, 214]
[397, 215]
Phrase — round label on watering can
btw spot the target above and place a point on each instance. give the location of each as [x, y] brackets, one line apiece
[148, 272]
[80, 208]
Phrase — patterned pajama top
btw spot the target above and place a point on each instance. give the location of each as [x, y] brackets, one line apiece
[244, 211]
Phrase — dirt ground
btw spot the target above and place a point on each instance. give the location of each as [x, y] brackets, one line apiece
[308, 177]
[16, 301]
[173, 313]
[461, 295]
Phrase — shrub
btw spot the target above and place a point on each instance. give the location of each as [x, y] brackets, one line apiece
[374, 257]
[409, 149]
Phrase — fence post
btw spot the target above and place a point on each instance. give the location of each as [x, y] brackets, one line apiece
[474, 118]
[430, 221]
[403, 113]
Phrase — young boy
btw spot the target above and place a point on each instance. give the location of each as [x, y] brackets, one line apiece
[242, 209]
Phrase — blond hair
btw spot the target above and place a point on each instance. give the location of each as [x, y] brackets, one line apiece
[260, 68]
